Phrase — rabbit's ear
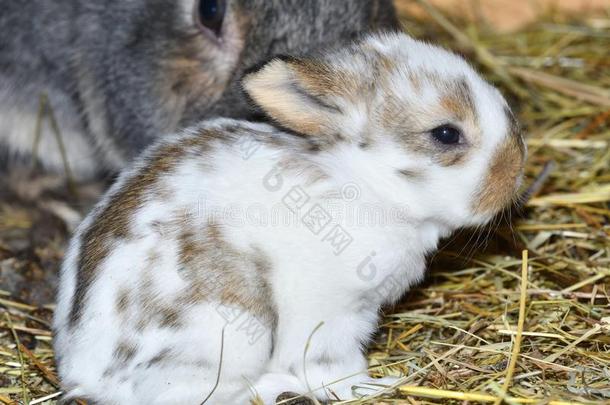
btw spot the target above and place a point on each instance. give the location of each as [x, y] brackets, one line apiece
[296, 93]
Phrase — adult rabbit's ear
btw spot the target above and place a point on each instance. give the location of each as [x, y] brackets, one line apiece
[300, 94]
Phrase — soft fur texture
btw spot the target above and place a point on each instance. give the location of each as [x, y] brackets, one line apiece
[248, 241]
[120, 73]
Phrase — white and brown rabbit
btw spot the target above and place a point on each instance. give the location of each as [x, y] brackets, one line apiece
[226, 262]
[118, 74]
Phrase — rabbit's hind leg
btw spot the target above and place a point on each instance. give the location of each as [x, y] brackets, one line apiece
[184, 385]
[213, 358]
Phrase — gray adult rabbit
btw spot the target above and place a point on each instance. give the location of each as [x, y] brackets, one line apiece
[119, 73]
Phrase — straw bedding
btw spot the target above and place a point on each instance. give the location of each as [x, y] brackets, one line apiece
[488, 324]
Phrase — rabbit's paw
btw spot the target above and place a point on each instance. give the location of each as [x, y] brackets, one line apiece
[366, 387]
[269, 387]
[290, 398]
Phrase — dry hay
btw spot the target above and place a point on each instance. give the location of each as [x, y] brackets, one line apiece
[453, 336]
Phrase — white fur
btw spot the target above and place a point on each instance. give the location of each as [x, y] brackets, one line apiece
[326, 303]
[18, 132]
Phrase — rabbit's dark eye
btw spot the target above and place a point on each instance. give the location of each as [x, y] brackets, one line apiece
[446, 134]
[210, 14]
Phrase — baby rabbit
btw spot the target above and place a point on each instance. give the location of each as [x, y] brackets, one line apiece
[118, 73]
[225, 263]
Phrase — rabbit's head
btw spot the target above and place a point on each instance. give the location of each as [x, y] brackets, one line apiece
[411, 121]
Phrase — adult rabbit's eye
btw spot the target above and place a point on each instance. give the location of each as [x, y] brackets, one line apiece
[210, 14]
[447, 134]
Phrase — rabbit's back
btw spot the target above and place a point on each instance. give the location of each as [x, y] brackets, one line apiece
[150, 276]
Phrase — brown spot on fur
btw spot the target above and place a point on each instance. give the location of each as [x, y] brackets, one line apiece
[148, 301]
[458, 100]
[125, 352]
[311, 173]
[160, 357]
[262, 264]
[498, 188]
[385, 65]
[112, 222]
[154, 308]
[170, 318]
[451, 158]
[412, 174]
[122, 301]
[217, 270]
[416, 81]
[141, 324]
[324, 359]
[168, 357]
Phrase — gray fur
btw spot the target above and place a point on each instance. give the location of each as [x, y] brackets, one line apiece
[102, 65]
